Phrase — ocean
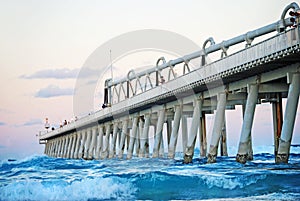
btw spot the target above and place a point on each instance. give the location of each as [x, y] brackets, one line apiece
[41, 177]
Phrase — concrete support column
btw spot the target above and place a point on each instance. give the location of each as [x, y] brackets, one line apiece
[92, 148]
[55, 148]
[83, 140]
[223, 141]
[78, 144]
[123, 137]
[217, 128]
[105, 149]
[158, 133]
[145, 136]
[174, 133]
[59, 147]
[67, 143]
[184, 132]
[139, 137]
[73, 145]
[62, 143]
[70, 141]
[189, 151]
[289, 120]
[57, 154]
[202, 136]
[46, 148]
[250, 152]
[61, 154]
[112, 152]
[132, 137]
[99, 141]
[87, 143]
[50, 147]
[245, 138]
[169, 130]
[161, 147]
[277, 121]
[52, 154]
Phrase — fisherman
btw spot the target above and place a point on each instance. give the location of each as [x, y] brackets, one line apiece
[162, 79]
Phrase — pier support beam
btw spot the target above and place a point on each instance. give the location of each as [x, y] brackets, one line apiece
[289, 120]
[223, 141]
[217, 128]
[87, 143]
[158, 134]
[92, 148]
[112, 152]
[123, 137]
[245, 138]
[132, 137]
[189, 151]
[174, 133]
[105, 149]
[138, 137]
[73, 145]
[63, 146]
[70, 141]
[99, 141]
[169, 130]
[277, 121]
[202, 136]
[78, 144]
[83, 139]
[145, 136]
[184, 132]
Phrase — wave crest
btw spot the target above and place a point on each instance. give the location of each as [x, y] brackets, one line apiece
[95, 189]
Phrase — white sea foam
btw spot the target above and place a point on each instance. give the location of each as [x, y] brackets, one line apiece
[266, 197]
[98, 188]
[230, 182]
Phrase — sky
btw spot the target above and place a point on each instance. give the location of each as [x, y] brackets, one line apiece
[44, 44]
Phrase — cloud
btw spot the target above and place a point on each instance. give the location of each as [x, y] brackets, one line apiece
[63, 73]
[53, 91]
[2, 123]
[2, 146]
[33, 122]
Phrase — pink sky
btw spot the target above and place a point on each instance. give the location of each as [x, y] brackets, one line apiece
[45, 43]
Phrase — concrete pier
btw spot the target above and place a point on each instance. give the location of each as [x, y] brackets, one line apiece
[141, 111]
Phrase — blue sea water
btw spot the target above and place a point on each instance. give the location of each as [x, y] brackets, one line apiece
[45, 178]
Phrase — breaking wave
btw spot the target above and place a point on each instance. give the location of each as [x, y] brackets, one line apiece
[45, 178]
